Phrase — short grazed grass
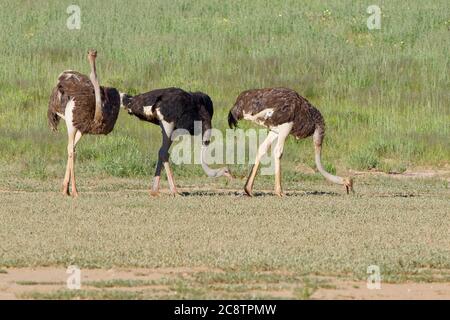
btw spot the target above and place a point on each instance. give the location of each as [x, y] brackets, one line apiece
[83, 294]
[37, 283]
[400, 225]
[122, 283]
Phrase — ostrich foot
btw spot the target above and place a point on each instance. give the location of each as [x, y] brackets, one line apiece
[154, 193]
[175, 194]
[65, 191]
[248, 191]
[279, 193]
[75, 194]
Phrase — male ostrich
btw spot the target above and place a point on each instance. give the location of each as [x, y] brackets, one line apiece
[171, 109]
[86, 108]
[284, 112]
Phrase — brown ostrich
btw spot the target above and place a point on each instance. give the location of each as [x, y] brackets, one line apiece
[171, 109]
[86, 108]
[284, 112]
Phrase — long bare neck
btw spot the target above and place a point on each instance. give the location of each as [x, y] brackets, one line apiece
[328, 176]
[98, 99]
[212, 173]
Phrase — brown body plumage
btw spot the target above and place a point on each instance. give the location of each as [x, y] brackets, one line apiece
[86, 108]
[285, 112]
[287, 106]
[77, 86]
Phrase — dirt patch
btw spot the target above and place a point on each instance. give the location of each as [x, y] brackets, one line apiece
[388, 291]
[417, 173]
[17, 282]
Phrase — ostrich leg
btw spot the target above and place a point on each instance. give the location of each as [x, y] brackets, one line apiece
[283, 132]
[72, 167]
[163, 159]
[71, 139]
[261, 152]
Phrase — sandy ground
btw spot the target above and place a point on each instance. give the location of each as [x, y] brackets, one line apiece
[18, 281]
[416, 173]
[404, 291]
[48, 279]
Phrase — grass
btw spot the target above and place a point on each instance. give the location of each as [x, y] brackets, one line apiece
[384, 93]
[122, 283]
[82, 294]
[37, 283]
[400, 225]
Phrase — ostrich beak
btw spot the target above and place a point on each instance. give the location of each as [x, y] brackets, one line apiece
[349, 185]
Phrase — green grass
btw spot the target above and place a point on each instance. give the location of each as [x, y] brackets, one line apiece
[384, 93]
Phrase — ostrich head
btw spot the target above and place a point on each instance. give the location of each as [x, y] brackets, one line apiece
[92, 55]
[221, 172]
[225, 172]
[213, 173]
[125, 101]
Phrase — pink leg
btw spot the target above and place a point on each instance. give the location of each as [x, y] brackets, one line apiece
[283, 132]
[72, 171]
[262, 150]
[70, 144]
[163, 159]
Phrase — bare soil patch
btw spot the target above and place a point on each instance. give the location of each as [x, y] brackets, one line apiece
[389, 291]
[17, 282]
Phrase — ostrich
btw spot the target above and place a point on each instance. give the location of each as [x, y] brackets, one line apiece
[86, 108]
[171, 109]
[284, 112]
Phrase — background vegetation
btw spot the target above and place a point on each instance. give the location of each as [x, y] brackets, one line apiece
[384, 93]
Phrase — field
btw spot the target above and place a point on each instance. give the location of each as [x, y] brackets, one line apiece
[221, 244]
[384, 95]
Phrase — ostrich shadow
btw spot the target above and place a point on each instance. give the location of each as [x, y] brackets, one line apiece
[257, 194]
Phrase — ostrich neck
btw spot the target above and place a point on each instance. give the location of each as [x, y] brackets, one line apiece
[328, 176]
[98, 99]
[212, 173]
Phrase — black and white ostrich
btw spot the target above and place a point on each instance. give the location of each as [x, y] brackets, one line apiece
[86, 108]
[284, 112]
[171, 109]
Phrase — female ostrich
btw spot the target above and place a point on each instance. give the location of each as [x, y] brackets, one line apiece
[86, 108]
[284, 112]
[171, 109]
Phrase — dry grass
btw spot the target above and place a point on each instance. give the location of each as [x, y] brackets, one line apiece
[400, 225]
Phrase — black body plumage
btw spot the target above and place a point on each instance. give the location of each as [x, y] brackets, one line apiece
[172, 105]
